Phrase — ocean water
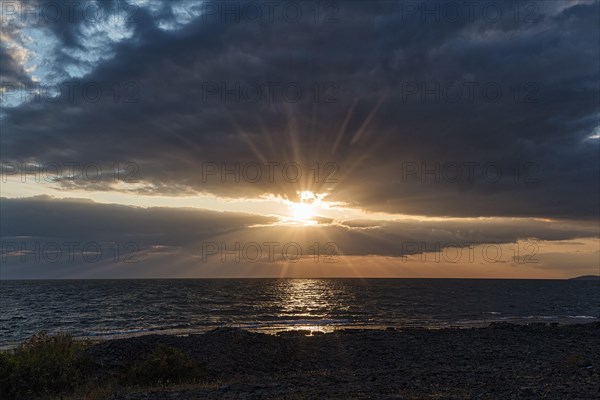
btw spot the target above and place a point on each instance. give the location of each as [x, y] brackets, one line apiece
[117, 308]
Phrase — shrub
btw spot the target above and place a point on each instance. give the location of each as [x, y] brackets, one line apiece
[43, 365]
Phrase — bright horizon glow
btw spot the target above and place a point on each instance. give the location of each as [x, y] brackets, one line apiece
[266, 205]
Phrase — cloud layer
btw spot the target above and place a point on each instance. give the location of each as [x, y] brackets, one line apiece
[484, 115]
[406, 95]
[63, 233]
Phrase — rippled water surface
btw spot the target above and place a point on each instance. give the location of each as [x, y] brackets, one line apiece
[127, 307]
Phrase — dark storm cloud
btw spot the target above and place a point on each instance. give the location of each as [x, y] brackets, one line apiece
[11, 70]
[528, 150]
[11, 53]
[48, 237]
[45, 217]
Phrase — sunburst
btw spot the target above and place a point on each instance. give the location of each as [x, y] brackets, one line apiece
[307, 209]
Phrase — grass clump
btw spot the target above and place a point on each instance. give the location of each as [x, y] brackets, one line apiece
[166, 365]
[43, 366]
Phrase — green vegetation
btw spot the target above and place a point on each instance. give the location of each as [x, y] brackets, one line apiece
[48, 367]
[43, 366]
[164, 366]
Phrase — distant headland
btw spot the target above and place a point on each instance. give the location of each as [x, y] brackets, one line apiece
[585, 278]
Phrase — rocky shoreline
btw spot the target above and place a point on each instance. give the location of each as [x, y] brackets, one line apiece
[500, 361]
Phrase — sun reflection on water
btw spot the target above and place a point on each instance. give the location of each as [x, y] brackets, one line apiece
[309, 304]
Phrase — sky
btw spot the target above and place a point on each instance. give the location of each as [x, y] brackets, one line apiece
[180, 139]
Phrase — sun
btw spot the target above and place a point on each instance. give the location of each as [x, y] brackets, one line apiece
[307, 208]
[303, 211]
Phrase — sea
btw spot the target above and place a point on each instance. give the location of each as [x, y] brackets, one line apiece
[105, 309]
